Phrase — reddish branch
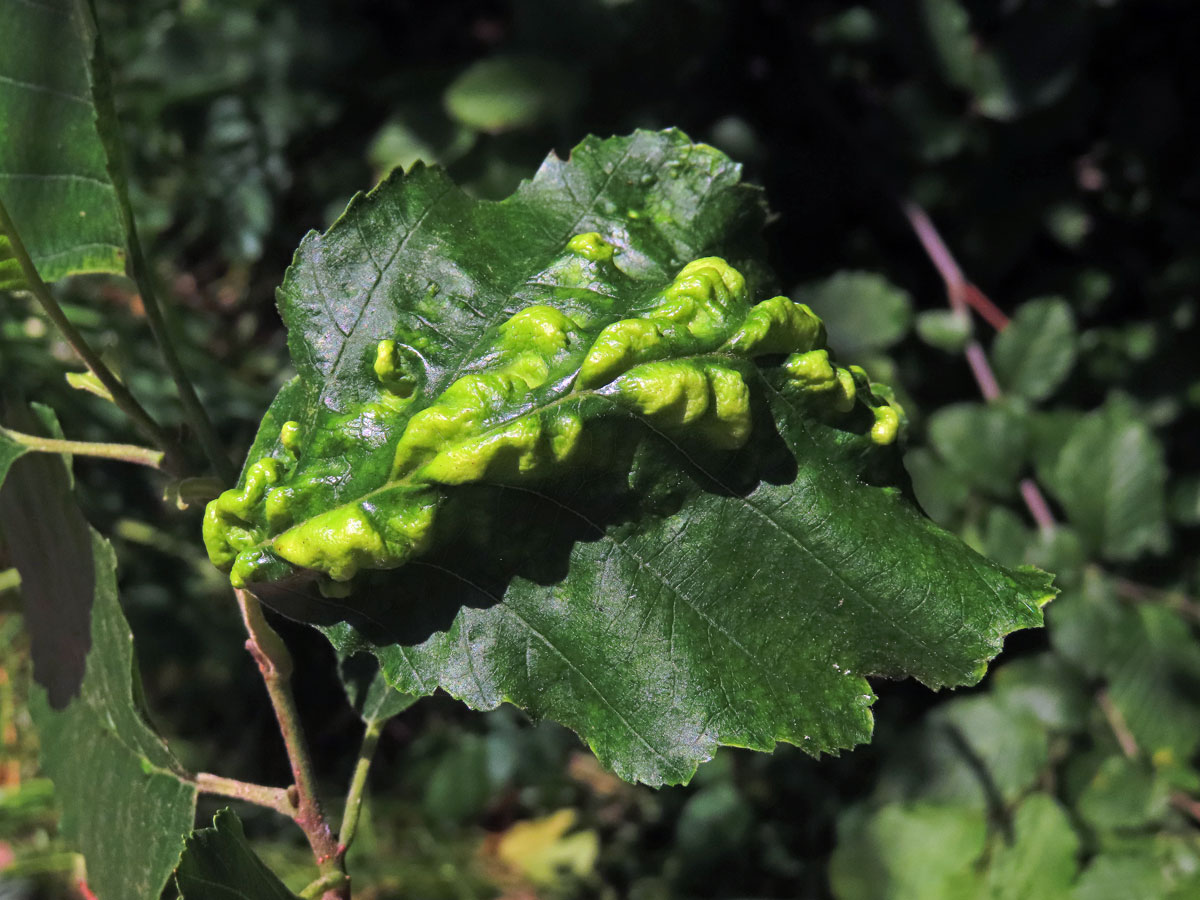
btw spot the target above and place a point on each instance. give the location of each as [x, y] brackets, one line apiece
[963, 296]
[275, 664]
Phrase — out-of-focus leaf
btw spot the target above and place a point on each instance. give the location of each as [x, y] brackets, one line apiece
[126, 804]
[1148, 657]
[598, 595]
[1055, 693]
[986, 445]
[1110, 476]
[431, 138]
[944, 329]
[1041, 862]
[862, 311]
[507, 92]
[1149, 869]
[1007, 741]
[940, 490]
[541, 851]
[219, 864]
[1185, 500]
[54, 177]
[1123, 794]
[1036, 351]
[908, 852]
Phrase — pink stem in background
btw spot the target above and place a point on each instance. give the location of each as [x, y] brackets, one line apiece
[962, 295]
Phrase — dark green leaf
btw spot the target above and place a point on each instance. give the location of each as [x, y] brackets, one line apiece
[862, 311]
[126, 805]
[1110, 476]
[1036, 351]
[54, 177]
[671, 588]
[42, 525]
[986, 445]
[219, 864]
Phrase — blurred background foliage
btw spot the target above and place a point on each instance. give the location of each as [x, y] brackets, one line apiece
[1053, 143]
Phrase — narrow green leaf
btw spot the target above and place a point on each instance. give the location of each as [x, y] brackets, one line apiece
[667, 543]
[862, 311]
[126, 804]
[219, 864]
[54, 177]
[1110, 475]
[1035, 353]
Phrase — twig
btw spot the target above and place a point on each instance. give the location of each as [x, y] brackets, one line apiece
[962, 295]
[130, 453]
[331, 882]
[275, 664]
[1187, 805]
[192, 408]
[358, 785]
[1144, 593]
[120, 394]
[1116, 721]
[258, 794]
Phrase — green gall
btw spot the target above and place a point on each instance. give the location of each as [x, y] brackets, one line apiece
[811, 371]
[591, 246]
[366, 534]
[886, 427]
[617, 348]
[399, 385]
[289, 436]
[542, 329]
[778, 325]
[519, 411]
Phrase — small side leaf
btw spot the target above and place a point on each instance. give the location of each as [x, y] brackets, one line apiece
[219, 864]
[368, 691]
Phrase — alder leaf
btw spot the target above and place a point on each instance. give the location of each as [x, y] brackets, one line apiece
[126, 804]
[567, 451]
[54, 170]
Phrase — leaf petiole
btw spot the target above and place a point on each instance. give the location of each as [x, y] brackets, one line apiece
[130, 453]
